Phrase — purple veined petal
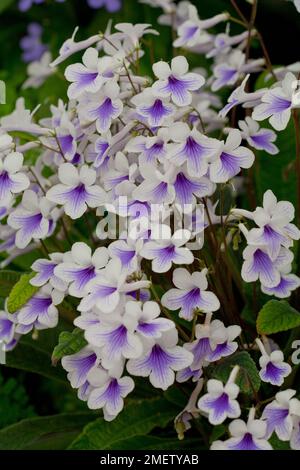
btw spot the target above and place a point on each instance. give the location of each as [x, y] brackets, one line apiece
[178, 88]
[67, 145]
[226, 168]
[154, 328]
[287, 284]
[126, 256]
[83, 80]
[6, 329]
[79, 365]
[273, 240]
[111, 395]
[187, 374]
[189, 31]
[195, 154]
[157, 150]
[219, 408]
[45, 270]
[105, 297]
[201, 349]
[277, 104]
[156, 113]
[5, 186]
[160, 364]
[80, 278]
[164, 257]
[74, 199]
[101, 150]
[278, 421]
[143, 295]
[35, 308]
[31, 226]
[245, 443]
[186, 188]
[104, 114]
[263, 141]
[187, 301]
[261, 267]
[222, 350]
[274, 373]
[225, 76]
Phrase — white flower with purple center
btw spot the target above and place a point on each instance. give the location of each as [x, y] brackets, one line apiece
[287, 284]
[240, 96]
[273, 368]
[128, 253]
[277, 103]
[108, 289]
[259, 265]
[192, 148]
[191, 294]
[89, 76]
[274, 222]
[31, 219]
[156, 110]
[279, 414]
[45, 272]
[192, 31]
[80, 266]
[66, 137]
[7, 329]
[79, 365]
[149, 324]
[231, 158]
[220, 401]
[116, 338]
[110, 395]
[168, 250]
[12, 181]
[258, 138]
[120, 174]
[175, 81]
[248, 435]
[160, 360]
[77, 190]
[40, 311]
[222, 340]
[104, 107]
[151, 148]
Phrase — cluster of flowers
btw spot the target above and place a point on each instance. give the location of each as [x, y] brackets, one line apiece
[123, 138]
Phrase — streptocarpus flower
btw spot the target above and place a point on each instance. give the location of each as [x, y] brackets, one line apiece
[259, 138]
[277, 104]
[91, 75]
[45, 272]
[110, 395]
[161, 360]
[192, 148]
[167, 251]
[273, 368]
[77, 191]
[79, 365]
[191, 294]
[155, 110]
[230, 159]
[12, 180]
[80, 266]
[109, 288]
[105, 107]
[32, 219]
[279, 414]
[220, 401]
[245, 436]
[40, 311]
[175, 81]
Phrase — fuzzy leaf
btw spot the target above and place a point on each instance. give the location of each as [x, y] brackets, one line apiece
[45, 433]
[276, 316]
[69, 342]
[248, 378]
[137, 419]
[21, 293]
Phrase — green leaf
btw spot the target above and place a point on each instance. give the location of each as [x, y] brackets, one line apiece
[30, 357]
[247, 379]
[68, 343]
[7, 280]
[277, 444]
[21, 293]
[46, 433]
[4, 4]
[137, 419]
[157, 443]
[276, 316]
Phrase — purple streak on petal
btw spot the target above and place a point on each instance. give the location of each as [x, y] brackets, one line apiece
[156, 150]
[185, 188]
[81, 276]
[124, 255]
[200, 350]
[273, 373]
[223, 349]
[246, 443]
[262, 263]
[30, 223]
[6, 329]
[5, 184]
[159, 193]
[156, 112]
[66, 143]
[278, 104]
